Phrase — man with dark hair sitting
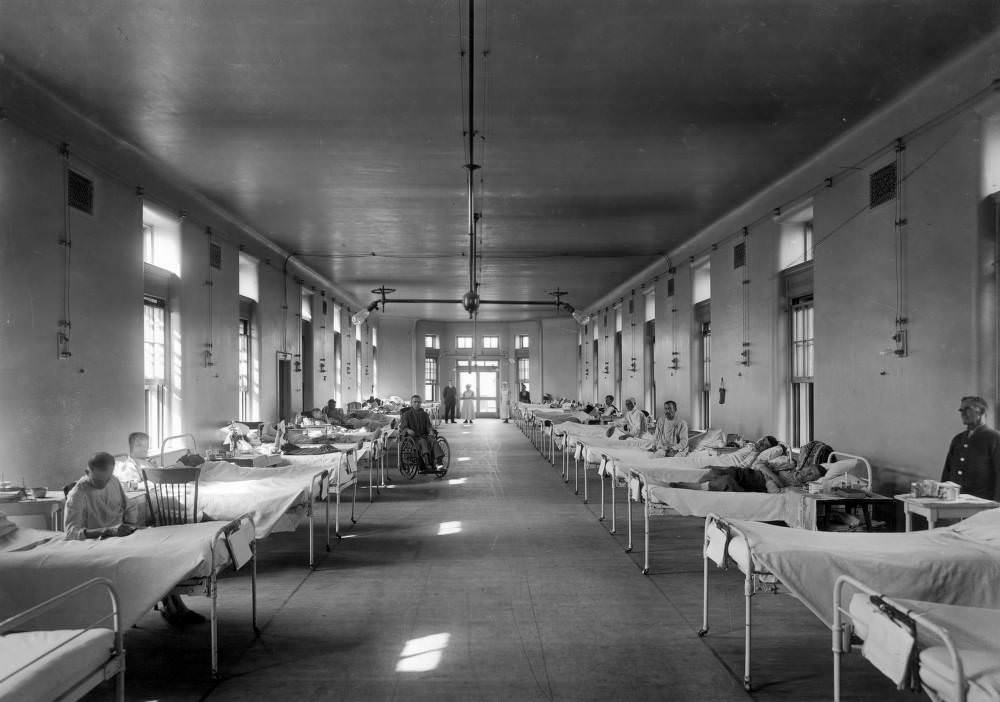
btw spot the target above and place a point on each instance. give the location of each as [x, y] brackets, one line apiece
[96, 507]
[415, 422]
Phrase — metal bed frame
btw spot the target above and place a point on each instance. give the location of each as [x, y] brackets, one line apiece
[319, 488]
[112, 667]
[842, 634]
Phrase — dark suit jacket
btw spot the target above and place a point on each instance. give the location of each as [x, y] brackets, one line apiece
[449, 395]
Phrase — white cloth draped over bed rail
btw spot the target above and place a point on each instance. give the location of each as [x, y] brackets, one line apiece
[955, 649]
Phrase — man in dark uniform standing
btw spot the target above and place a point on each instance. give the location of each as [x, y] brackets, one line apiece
[974, 455]
[450, 398]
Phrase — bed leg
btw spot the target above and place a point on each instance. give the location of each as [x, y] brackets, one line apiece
[327, 508]
[120, 680]
[837, 631]
[354, 500]
[336, 522]
[747, 594]
[703, 631]
[576, 475]
[628, 512]
[253, 591]
[645, 515]
[312, 549]
[614, 513]
[215, 629]
[601, 518]
[586, 492]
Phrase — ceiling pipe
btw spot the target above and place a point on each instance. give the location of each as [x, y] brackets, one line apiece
[470, 301]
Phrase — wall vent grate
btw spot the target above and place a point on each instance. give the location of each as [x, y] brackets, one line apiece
[740, 255]
[670, 287]
[882, 185]
[80, 192]
[215, 256]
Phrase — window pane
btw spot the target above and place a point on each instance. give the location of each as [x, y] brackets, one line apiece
[491, 342]
[463, 342]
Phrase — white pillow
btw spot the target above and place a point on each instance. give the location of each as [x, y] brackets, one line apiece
[841, 467]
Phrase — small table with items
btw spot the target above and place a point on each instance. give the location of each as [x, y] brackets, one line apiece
[826, 503]
[50, 506]
[934, 508]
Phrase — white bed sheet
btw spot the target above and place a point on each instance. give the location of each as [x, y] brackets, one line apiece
[975, 631]
[144, 567]
[276, 497]
[342, 467]
[789, 506]
[957, 565]
[24, 538]
[50, 677]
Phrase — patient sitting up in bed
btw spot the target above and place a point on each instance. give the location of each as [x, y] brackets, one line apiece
[751, 475]
[130, 469]
[96, 507]
[632, 424]
[671, 432]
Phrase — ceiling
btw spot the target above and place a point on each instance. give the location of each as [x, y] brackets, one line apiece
[610, 131]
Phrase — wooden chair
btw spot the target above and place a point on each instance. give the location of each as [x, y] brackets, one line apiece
[170, 496]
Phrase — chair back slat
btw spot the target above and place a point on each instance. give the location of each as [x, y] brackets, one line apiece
[172, 494]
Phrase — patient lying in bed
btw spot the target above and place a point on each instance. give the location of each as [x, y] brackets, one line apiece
[752, 472]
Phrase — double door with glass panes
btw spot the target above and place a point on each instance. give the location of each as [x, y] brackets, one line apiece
[483, 376]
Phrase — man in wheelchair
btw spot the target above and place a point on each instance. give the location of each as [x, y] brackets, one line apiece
[416, 423]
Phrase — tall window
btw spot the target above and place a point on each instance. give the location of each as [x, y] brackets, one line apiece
[338, 356]
[649, 350]
[463, 342]
[357, 365]
[522, 342]
[524, 373]
[796, 243]
[706, 374]
[618, 355]
[244, 370]
[491, 342]
[161, 240]
[432, 341]
[374, 362]
[802, 370]
[431, 379]
[155, 364]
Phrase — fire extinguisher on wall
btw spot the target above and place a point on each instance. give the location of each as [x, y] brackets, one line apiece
[722, 391]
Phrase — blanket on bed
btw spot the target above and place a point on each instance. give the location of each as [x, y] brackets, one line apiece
[144, 567]
[957, 565]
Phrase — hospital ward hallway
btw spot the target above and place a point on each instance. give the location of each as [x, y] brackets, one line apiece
[495, 583]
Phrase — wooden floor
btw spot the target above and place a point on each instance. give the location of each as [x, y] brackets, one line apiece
[496, 583]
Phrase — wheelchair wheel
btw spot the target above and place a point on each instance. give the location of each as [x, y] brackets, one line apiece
[409, 457]
[445, 455]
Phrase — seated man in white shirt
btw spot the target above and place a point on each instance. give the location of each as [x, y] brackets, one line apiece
[130, 469]
[96, 507]
[671, 432]
[632, 424]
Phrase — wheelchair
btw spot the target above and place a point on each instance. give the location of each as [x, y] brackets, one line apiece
[411, 464]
